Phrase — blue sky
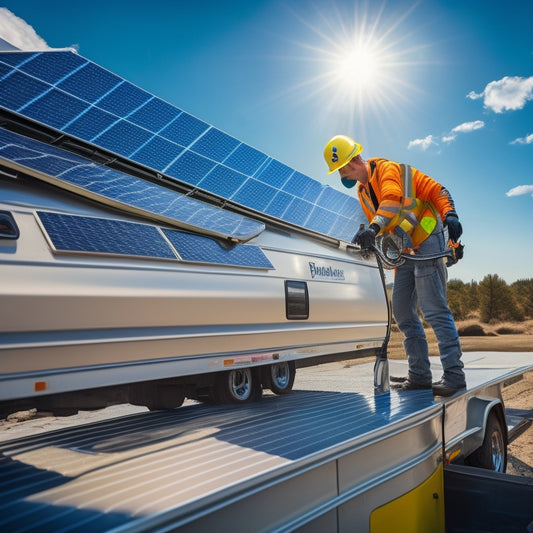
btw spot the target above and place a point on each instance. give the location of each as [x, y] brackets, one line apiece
[444, 85]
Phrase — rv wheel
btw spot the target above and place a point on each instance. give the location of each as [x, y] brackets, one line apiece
[237, 386]
[279, 377]
[492, 454]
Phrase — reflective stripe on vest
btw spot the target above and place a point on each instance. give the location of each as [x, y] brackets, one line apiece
[416, 217]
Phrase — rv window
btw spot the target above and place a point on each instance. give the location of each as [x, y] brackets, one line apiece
[296, 300]
[8, 226]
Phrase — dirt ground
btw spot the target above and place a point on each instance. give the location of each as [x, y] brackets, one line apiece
[520, 451]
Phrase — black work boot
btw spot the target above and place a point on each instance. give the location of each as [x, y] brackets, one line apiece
[407, 384]
[398, 379]
[442, 388]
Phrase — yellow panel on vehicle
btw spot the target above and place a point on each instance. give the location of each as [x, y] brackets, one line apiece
[419, 511]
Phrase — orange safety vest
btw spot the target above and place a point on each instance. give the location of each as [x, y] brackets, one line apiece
[393, 202]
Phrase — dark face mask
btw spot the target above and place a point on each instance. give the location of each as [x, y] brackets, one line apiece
[348, 183]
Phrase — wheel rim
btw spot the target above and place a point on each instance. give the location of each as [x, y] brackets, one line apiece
[240, 383]
[281, 375]
[497, 448]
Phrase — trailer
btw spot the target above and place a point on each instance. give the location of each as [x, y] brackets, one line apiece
[332, 456]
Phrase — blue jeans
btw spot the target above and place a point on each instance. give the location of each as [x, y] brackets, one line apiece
[424, 283]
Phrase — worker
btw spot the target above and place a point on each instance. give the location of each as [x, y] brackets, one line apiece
[410, 203]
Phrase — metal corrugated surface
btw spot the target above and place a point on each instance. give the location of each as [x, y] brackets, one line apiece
[113, 473]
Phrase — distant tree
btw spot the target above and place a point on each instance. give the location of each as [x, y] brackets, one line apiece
[462, 298]
[523, 293]
[496, 300]
[456, 290]
[471, 297]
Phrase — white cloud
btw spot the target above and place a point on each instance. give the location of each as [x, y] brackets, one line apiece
[509, 93]
[474, 96]
[528, 139]
[19, 33]
[467, 127]
[423, 144]
[520, 190]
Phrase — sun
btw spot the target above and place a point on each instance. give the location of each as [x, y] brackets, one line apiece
[357, 68]
[361, 61]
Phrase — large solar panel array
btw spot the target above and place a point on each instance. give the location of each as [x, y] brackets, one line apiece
[117, 189]
[65, 91]
[104, 236]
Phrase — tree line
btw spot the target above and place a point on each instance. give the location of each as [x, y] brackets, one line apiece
[492, 299]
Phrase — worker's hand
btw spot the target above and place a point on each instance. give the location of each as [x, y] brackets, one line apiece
[455, 230]
[366, 238]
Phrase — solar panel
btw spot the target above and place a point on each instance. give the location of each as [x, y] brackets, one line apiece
[200, 249]
[79, 234]
[67, 92]
[109, 186]
[73, 233]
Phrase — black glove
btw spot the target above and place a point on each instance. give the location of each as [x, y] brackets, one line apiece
[455, 230]
[366, 238]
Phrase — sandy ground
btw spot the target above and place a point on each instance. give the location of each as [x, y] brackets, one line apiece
[520, 451]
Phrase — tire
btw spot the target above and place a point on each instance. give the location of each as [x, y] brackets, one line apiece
[279, 377]
[492, 454]
[242, 385]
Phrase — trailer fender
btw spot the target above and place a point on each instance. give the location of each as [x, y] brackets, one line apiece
[478, 412]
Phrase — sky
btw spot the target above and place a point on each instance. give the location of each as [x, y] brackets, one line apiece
[443, 85]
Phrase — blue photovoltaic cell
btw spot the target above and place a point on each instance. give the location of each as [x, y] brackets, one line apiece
[191, 166]
[246, 159]
[154, 115]
[17, 59]
[71, 94]
[116, 188]
[17, 89]
[279, 205]
[321, 218]
[89, 83]
[73, 233]
[52, 71]
[222, 181]
[298, 212]
[56, 108]
[304, 187]
[255, 194]
[123, 99]
[215, 145]
[184, 129]
[200, 249]
[332, 199]
[4, 70]
[156, 151]
[123, 138]
[89, 124]
[275, 173]
[344, 226]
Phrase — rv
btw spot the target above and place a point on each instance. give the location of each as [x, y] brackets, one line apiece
[147, 256]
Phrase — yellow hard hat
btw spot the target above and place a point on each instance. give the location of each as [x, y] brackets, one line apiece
[339, 151]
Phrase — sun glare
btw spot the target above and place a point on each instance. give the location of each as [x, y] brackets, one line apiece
[357, 68]
[361, 63]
